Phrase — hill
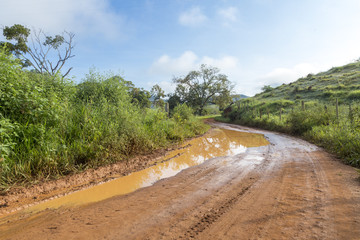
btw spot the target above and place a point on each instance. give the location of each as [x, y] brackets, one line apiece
[308, 108]
[338, 82]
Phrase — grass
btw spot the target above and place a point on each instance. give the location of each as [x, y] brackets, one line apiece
[315, 124]
[339, 82]
[280, 109]
[208, 116]
[51, 127]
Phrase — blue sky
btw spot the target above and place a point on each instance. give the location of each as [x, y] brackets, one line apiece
[253, 42]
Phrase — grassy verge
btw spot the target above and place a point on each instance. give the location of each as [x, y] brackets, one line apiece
[208, 116]
[339, 135]
[50, 126]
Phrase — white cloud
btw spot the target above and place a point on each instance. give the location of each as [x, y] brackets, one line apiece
[94, 17]
[165, 65]
[193, 17]
[229, 14]
[167, 86]
[286, 75]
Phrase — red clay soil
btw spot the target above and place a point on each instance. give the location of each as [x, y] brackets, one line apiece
[23, 196]
[289, 189]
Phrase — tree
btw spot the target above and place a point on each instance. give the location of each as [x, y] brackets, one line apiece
[157, 93]
[141, 97]
[223, 100]
[267, 88]
[46, 54]
[173, 100]
[199, 88]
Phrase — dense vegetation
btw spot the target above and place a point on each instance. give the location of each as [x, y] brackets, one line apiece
[307, 108]
[50, 126]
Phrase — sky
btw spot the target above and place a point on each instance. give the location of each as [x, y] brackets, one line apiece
[148, 42]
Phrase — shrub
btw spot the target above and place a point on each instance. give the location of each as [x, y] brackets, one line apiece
[50, 127]
[353, 95]
[182, 113]
[301, 122]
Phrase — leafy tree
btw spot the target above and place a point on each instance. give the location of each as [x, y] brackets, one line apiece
[173, 101]
[223, 100]
[157, 93]
[46, 54]
[198, 88]
[19, 34]
[267, 88]
[141, 97]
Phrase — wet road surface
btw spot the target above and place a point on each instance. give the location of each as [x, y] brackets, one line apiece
[289, 189]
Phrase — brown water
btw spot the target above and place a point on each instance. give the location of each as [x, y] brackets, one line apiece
[220, 142]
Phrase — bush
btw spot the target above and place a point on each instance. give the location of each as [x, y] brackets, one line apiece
[354, 95]
[339, 138]
[316, 124]
[182, 113]
[301, 122]
[50, 126]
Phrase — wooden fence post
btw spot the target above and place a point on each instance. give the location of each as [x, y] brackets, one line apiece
[167, 108]
[280, 113]
[337, 109]
[303, 105]
[350, 113]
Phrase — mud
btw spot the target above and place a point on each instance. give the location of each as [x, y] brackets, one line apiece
[289, 189]
[218, 142]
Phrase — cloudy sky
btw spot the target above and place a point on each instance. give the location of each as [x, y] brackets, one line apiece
[253, 42]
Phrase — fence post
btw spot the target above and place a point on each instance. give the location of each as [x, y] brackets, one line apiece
[280, 113]
[337, 109]
[167, 108]
[350, 113]
[260, 113]
[268, 113]
[303, 105]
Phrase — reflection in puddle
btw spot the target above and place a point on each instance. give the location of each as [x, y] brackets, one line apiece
[220, 142]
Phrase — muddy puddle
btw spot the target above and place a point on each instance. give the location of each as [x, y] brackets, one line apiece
[219, 142]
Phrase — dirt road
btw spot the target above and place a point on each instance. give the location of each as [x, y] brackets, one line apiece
[289, 189]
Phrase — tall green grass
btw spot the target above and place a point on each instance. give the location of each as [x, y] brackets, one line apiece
[317, 123]
[50, 126]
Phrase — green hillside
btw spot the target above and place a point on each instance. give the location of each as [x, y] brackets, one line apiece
[338, 82]
[308, 108]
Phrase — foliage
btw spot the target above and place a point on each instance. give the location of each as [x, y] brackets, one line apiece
[173, 101]
[49, 126]
[340, 82]
[267, 88]
[140, 97]
[157, 93]
[42, 51]
[280, 109]
[182, 113]
[222, 100]
[19, 34]
[211, 109]
[198, 88]
[317, 123]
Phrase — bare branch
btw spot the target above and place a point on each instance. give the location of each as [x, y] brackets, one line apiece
[67, 72]
[42, 55]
